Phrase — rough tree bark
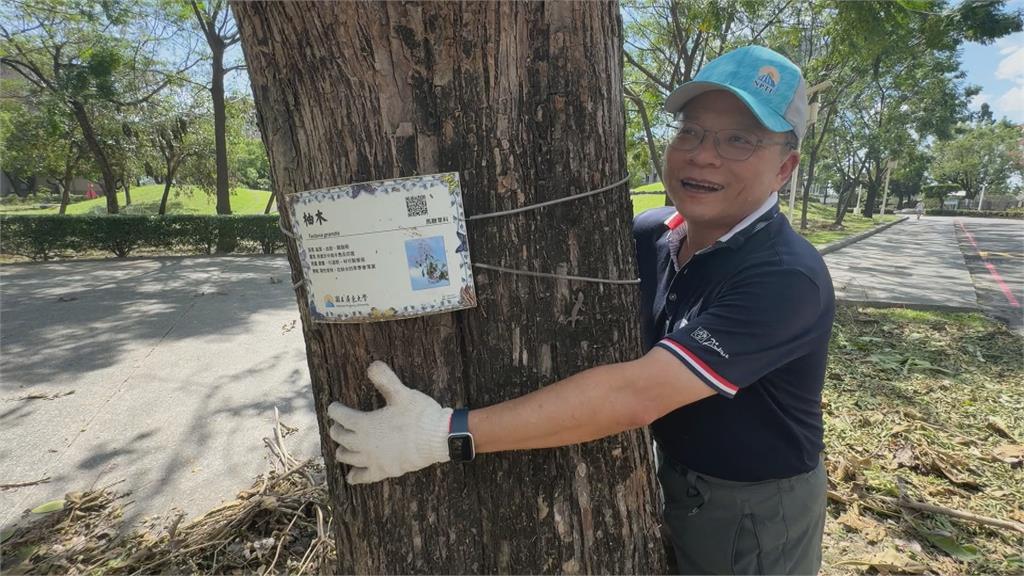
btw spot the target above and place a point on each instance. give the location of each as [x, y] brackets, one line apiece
[524, 100]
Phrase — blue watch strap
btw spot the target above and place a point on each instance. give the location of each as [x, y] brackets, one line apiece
[460, 441]
[459, 422]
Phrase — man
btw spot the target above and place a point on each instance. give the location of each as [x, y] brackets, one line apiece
[736, 311]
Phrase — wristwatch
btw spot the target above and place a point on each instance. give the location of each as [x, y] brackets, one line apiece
[460, 441]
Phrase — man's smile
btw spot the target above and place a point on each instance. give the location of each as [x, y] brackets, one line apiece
[700, 186]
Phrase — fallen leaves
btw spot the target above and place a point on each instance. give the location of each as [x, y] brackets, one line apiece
[888, 561]
[999, 427]
[871, 529]
[915, 415]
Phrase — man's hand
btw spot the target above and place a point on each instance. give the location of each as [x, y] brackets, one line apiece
[408, 434]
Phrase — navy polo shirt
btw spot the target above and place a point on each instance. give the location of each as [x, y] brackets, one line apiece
[751, 317]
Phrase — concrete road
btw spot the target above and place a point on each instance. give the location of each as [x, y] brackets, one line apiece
[916, 263]
[994, 252]
[164, 372]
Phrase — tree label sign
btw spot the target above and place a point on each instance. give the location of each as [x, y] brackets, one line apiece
[384, 250]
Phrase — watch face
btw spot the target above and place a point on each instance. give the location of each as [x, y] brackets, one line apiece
[460, 447]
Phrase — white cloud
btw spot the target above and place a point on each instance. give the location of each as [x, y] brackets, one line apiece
[1012, 66]
[1011, 69]
[1012, 102]
[1008, 44]
[978, 99]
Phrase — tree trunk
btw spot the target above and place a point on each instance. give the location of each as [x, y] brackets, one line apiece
[845, 194]
[652, 148]
[808, 182]
[220, 127]
[168, 179]
[874, 188]
[65, 199]
[98, 156]
[70, 164]
[524, 100]
[270, 203]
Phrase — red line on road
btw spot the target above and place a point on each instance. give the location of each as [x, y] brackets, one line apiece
[970, 237]
[991, 269]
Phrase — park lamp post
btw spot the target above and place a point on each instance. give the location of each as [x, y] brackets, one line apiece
[889, 167]
[811, 118]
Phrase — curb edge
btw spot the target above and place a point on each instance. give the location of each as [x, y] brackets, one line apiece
[839, 244]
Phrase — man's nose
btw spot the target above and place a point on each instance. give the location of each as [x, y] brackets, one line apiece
[706, 151]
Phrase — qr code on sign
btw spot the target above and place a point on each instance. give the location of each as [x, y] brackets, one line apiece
[416, 205]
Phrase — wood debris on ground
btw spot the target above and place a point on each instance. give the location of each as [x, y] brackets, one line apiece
[924, 413]
[280, 525]
[924, 418]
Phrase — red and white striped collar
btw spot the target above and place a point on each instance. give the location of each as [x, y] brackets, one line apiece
[677, 229]
[674, 221]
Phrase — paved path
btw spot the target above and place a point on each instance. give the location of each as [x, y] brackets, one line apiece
[917, 263]
[174, 367]
[994, 252]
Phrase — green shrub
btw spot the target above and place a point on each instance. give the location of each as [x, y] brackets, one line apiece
[41, 237]
[1017, 213]
[262, 233]
[120, 234]
[192, 232]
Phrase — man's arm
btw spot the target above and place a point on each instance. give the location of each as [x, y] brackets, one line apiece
[590, 405]
[411, 432]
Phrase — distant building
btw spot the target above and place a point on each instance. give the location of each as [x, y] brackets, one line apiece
[954, 200]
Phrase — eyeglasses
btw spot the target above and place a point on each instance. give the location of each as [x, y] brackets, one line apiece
[730, 144]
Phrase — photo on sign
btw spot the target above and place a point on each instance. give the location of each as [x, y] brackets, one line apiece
[428, 263]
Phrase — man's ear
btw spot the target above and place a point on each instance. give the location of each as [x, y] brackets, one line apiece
[787, 167]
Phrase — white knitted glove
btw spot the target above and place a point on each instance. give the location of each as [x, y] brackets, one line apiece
[410, 433]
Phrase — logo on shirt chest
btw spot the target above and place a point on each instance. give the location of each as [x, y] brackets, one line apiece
[704, 337]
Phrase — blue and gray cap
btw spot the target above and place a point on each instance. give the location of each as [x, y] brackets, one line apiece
[766, 81]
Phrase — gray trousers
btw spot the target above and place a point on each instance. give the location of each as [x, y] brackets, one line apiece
[723, 527]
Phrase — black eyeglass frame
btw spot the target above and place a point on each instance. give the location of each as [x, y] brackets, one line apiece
[759, 142]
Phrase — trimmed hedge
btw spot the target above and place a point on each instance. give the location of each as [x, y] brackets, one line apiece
[41, 237]
[1017, 213]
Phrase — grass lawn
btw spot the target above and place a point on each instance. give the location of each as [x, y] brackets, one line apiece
[183, 200]
[819, 216]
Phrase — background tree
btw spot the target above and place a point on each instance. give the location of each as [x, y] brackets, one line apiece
[524, 101]
[219, 32]
[909, 176]
[39, 138]
[984, 157]
[96, 60]
[845, 161]
[938, 193]
[179, 131]
[249, 164]
[900, 60]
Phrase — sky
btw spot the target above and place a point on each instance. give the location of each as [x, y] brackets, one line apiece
[999, 69]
